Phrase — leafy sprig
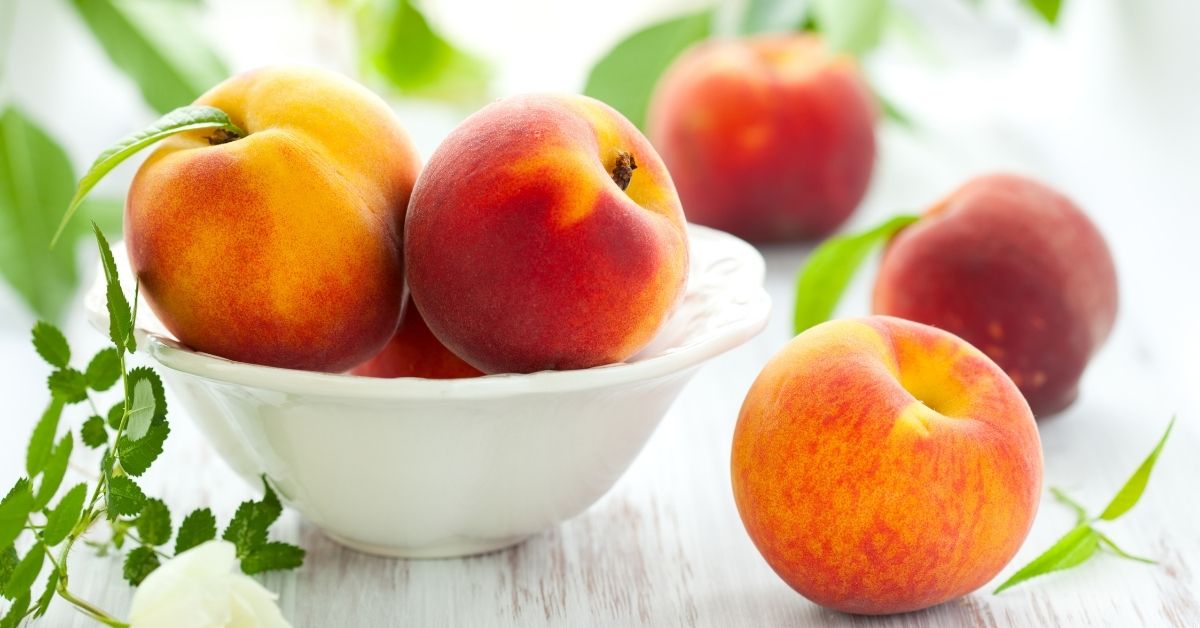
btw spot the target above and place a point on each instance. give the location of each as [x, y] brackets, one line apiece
[131, 435]
[1084, 540]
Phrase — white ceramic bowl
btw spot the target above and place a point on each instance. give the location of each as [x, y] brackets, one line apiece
[427, 468]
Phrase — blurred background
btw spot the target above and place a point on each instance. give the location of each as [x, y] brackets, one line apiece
[1100, 98]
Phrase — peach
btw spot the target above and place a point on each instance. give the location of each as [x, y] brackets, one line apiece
[415, 352]
[545, 233]
[884, 466]
[281, 247]
[770, 137]
[1014, 268]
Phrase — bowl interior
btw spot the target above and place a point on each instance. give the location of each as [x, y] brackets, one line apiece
[724, 305]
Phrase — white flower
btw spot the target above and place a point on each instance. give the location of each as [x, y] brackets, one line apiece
[199, 589]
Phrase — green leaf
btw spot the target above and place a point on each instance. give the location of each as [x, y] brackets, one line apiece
[116, 414]
[272, 556]
[831, 266]
[139, 563]
[56, 468]
[25, 573]
[68, 385]
[41, 443]
[64, 516]
[137, 455]
[142, 373]
[852, 26]
[402, 48]
[8, 562]
[1047, 9]
[104, 370]
[154, 524]
[14, 510]
[1072, 549]
[1112, 546]
[51, 344]
[16, 612]
[35, 182]
[773, 16]
[157, 45]
[43, 603]
[141, 412]
[120, 319]
[181, 120]
[1081, 515]
[200, 526]
[125, 497]
[625, 76]
[248, 528]
[1129, 494]
[93, 433]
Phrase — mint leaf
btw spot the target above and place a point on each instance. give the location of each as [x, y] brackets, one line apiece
[1047, 9]
[1081, 515]
[272, 556]
[56, 468]
[120, 319]
[93, 433]
[8, 562]
[64, 516]
[124, 496]
[14, 510]
[181, 120]
[1072, 549]
[772, 16]
[68, 384]
[35, 184]
[1129, 494]
[137, 456]
[831, 266]
[157, 45]
[25, 572]
[141, 411]
[51, 344]
[154, 524]
[104, 370]
[851, 26]
[625, 77]
[139, 563]
[248, 528]
[43, 603]
[115, 414]
[141, 374]
[16, 612]
[42, 440]
[200, 526]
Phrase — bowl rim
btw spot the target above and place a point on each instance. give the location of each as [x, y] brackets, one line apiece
[755, 303]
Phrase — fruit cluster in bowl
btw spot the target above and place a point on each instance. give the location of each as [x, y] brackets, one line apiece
[327, 309]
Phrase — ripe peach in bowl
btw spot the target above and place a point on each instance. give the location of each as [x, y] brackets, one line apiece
[450, 467]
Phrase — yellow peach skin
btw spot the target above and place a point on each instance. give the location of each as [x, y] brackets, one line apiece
[884, 466]
[545, 233]
[282, 247]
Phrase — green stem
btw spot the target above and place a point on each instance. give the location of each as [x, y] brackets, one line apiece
[88, 608]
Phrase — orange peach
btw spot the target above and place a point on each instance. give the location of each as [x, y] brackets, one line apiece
[884, 466]
[281, 247]
[770, 137]
[1014, 268]
[415, 352]
[545, 233]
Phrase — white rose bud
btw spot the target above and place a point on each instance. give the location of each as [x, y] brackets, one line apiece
[200, 589]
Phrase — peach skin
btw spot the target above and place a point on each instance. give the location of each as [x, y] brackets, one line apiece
[545, 233]
[415, 352]
[1014, 268]
[769, 137]
[281, 247]
[885, 466]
